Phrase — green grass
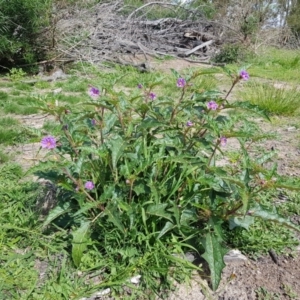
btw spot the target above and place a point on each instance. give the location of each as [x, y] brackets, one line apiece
[276, 64]
[3, 96]
[4, 157]
[8, 121]
[278, 101]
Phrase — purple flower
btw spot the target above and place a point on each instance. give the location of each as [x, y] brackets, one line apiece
[93, 122]
[181, 82]
[212, 105]
[189, 123]
[89, 185]
[152, 96]
[223, 141]
[94, 92]
[48, 142]
[139, 86]
[244, 75]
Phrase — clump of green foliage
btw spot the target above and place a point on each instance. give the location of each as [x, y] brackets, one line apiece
[140, 182]
[20, 24]
[232, 53]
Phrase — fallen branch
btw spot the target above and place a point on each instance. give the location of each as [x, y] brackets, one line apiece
[188, 53]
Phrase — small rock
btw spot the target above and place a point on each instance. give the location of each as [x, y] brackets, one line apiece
[57, 91]
[102, 293]
[235, 256]
[135, 279]
[97, 295]
[293, 128]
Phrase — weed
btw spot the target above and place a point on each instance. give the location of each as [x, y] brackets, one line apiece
[3, 157]
[3, 96]
[134, 179]
[275, 64]
[263, 294]
[280, 101]
[16, 74]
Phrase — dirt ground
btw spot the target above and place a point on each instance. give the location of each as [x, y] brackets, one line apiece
[264, 278]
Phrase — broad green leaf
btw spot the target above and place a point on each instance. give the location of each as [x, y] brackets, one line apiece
[244, 222]
[56, 212]
[187, 216]
[168, 226]
[214, 253]
[79, 242]
[271, 214]
[116, 146]
[114, 217]
[159, 210]
[245, 105]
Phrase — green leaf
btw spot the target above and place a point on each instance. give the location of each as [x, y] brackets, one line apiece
[159, 210]
[116, 146]
[168, 226]
[245, 105]
[271, 214]
[79, 242]
[214, 253]
[244, 222]
[187, 216]
[56, 212]
[114, 217]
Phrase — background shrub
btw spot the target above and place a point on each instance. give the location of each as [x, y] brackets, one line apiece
[21, 22]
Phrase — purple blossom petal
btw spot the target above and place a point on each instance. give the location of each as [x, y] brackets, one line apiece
[244, 75]
[94, 92]
[140, 86]
[48, 142]
[223, 141]
[212, 105]
[89, 185]
[181, 82]
[189, 123]
[152, 96]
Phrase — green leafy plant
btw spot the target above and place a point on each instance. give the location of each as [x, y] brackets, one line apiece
[20, 24]
[232, 53]
[140, 182]
[16, 74]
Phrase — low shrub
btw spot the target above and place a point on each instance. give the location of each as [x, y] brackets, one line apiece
[20, 24]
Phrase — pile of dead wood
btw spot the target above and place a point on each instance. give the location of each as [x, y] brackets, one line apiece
[106, 33]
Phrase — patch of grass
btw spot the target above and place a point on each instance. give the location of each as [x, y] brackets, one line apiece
[71, 99]
[15, 92]
[3, 95]
[276, 64]
[23, 86]
[52, 127]
[279, 101]
[42, 85]
[14, 108]
[261, 237]
[4, 157]
[263, 294]
[8, 121]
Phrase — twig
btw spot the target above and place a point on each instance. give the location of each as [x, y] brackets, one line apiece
[187, 53]
[148, 4]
